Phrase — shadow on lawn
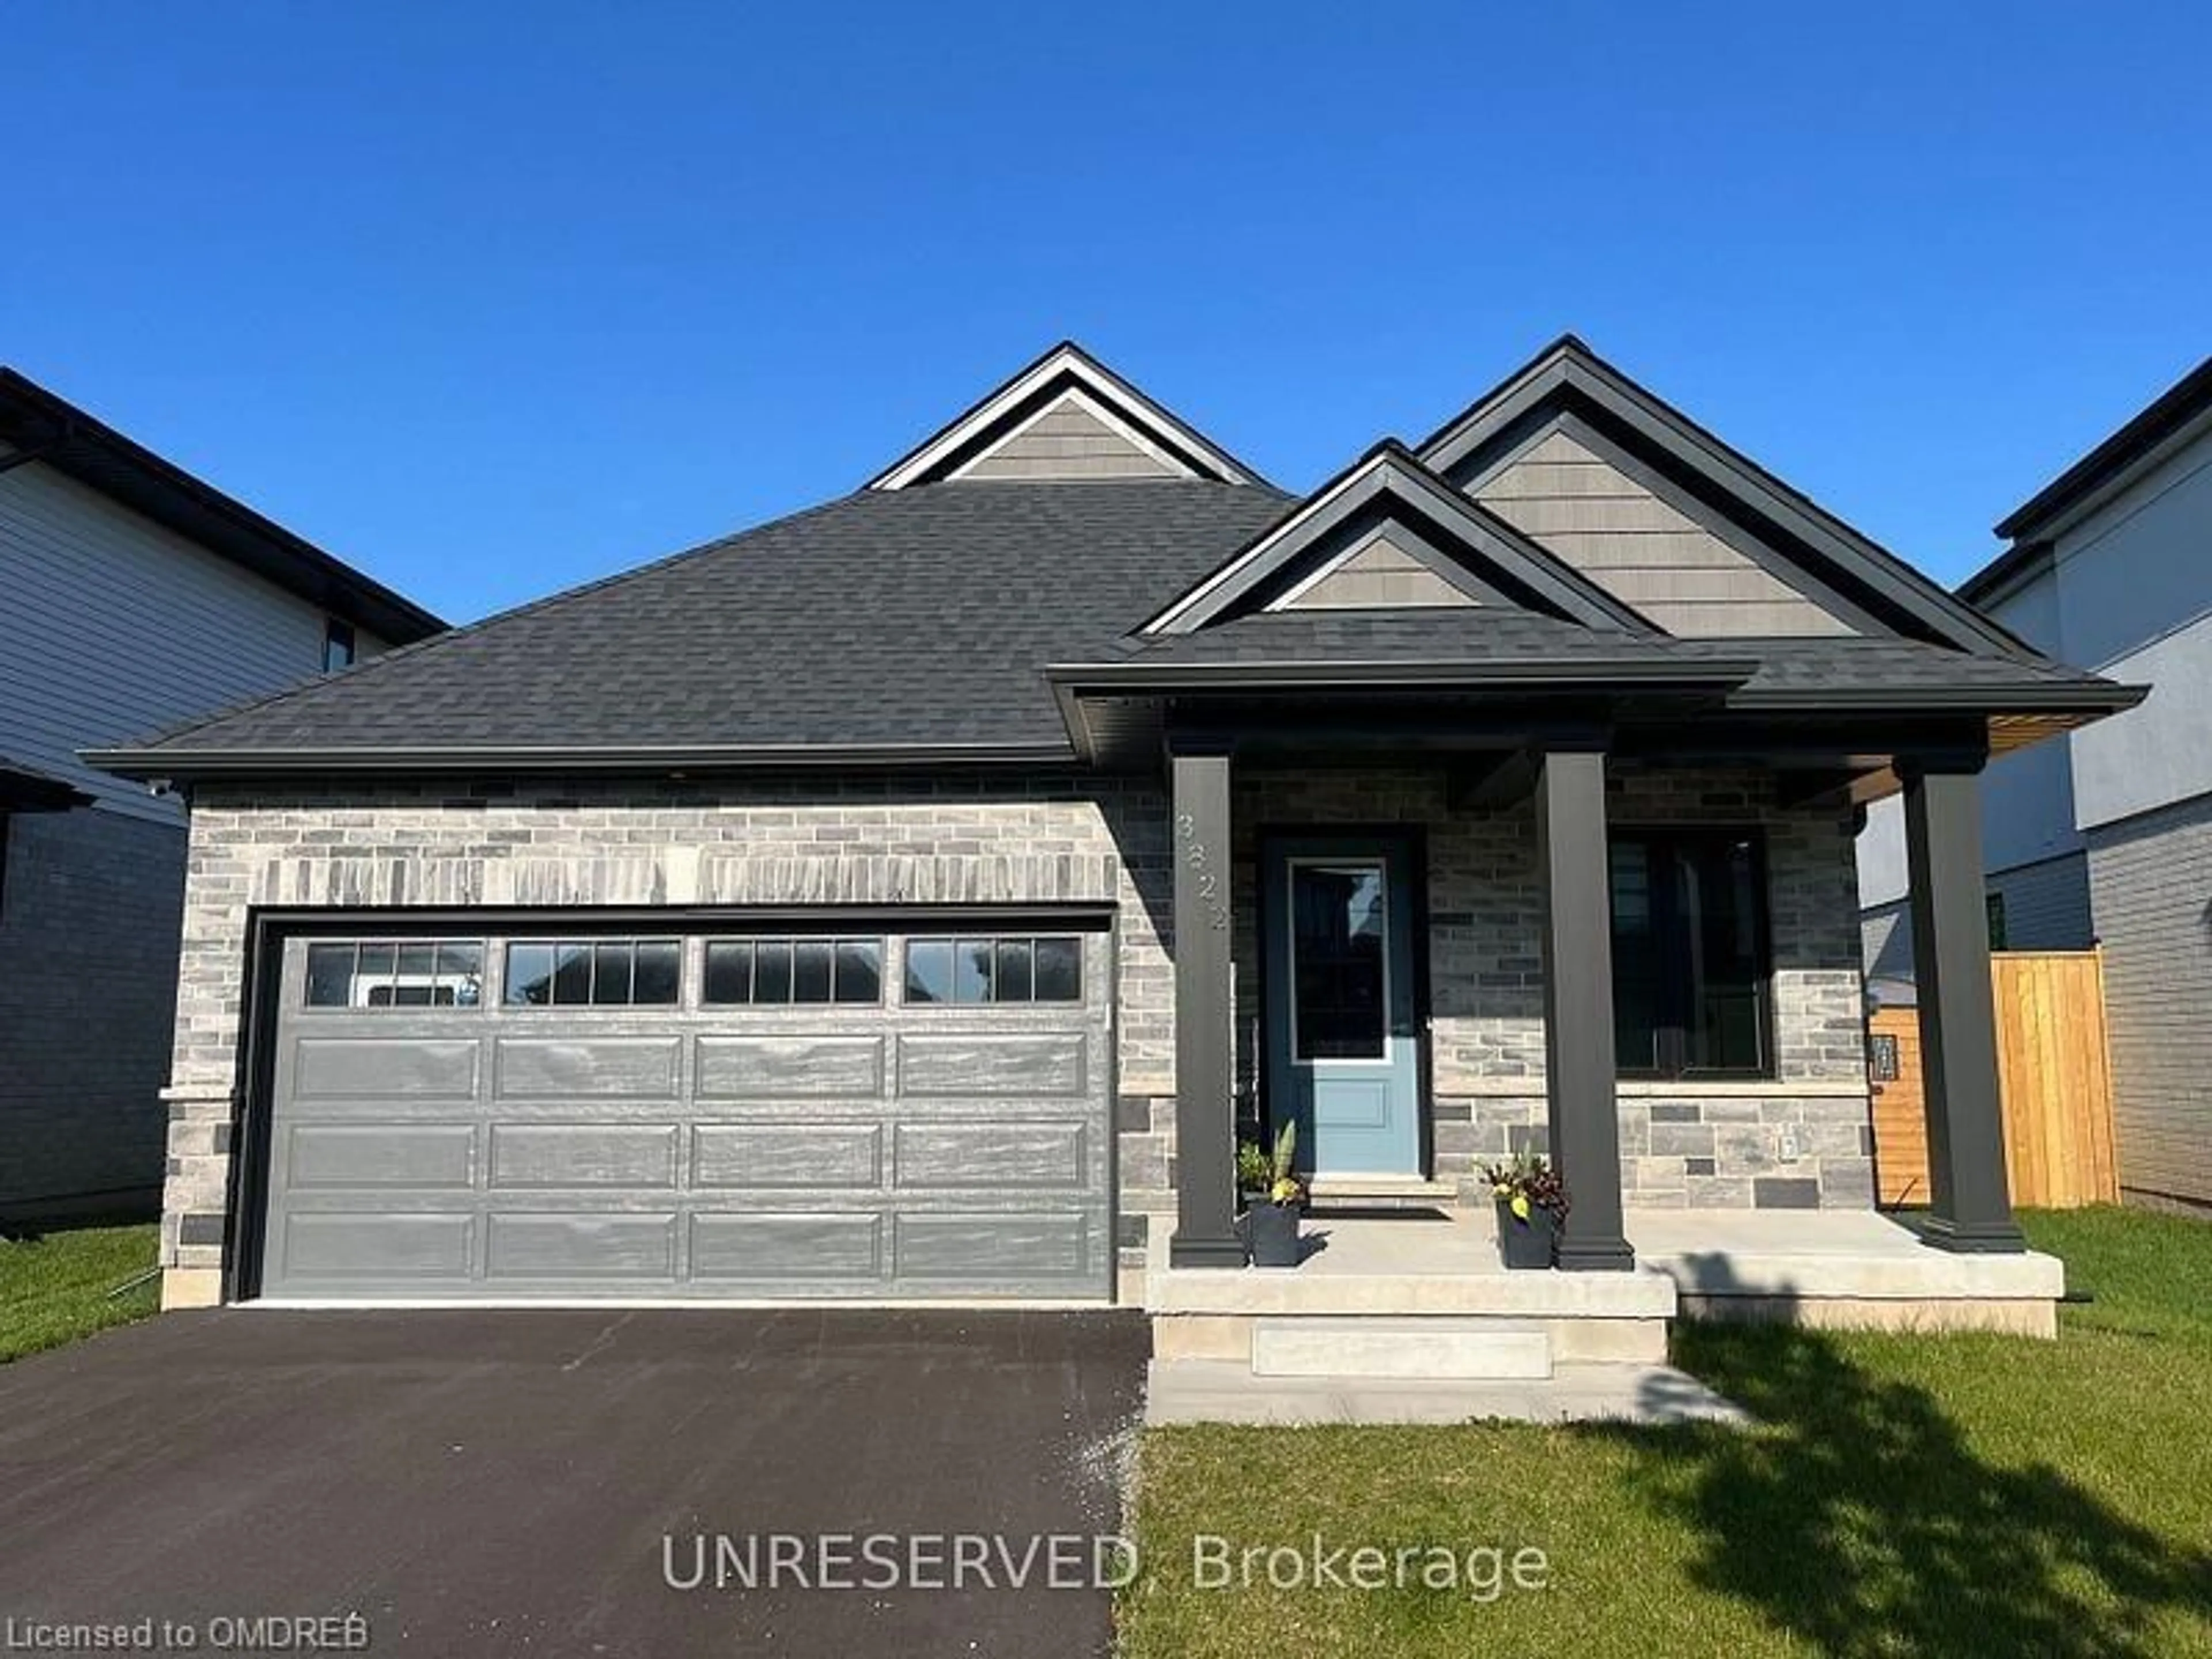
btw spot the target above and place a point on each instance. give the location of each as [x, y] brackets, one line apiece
[1858, 1518]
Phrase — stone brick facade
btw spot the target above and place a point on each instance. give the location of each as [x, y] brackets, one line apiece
[804, 840]
[89, 900]
[1044, 838]
[1802, 1138]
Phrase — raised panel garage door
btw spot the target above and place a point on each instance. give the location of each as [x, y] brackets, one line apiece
[734, 1112]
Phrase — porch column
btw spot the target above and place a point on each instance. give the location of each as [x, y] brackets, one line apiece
[1579, 1059]
[1206, 1129]
[1971, 1203]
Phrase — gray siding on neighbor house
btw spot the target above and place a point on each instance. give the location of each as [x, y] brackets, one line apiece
[1644, 550]
[1068, 441]
[112, 627]
[88, 915]
[115, 627]
[2151, 882]
[2047, 907]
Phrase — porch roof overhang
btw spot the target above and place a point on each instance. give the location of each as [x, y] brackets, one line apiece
[1848, 742]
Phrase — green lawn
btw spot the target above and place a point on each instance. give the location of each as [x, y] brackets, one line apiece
[1904, 1496]
[54, 1289]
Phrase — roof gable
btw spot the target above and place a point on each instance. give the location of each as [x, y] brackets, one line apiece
[1803, 546]
[1648, 543]
[1388, 500]
[1066, 415]
[1388, 567]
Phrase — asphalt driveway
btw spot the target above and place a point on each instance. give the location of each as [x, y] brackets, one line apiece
[539, 1482]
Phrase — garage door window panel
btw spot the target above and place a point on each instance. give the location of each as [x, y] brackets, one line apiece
[375, 974]
[619, 973]
[803, 972]
[995, 970]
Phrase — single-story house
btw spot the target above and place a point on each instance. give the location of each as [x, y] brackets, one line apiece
[912, 897]
[133, 596]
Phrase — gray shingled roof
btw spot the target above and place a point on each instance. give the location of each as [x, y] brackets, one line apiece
[901, 617]
[1490, 634]
[926, 617]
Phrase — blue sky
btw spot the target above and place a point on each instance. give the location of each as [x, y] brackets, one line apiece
[492, 300]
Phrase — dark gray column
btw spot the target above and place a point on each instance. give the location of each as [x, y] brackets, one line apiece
[1578, 1060]
[1206, 1127]
[1972, 1205]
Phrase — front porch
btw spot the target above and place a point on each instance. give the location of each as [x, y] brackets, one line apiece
[1410, 1316]
[1640, 961]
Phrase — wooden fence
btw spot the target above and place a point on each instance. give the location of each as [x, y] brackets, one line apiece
[2052, 1070]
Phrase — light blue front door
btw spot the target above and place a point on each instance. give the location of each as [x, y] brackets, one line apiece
[1342, 1031]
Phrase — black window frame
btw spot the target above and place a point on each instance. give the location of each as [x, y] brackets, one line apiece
[591, 946]
[996, 943]
[339, 641]
[437, 945]
[1674, 983]
[837, 944]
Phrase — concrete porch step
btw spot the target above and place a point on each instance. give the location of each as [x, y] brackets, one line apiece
[1225, 1391]
[1379, 1193]
[1447, 1350]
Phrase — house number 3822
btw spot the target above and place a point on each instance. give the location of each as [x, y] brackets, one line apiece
[1207, 879]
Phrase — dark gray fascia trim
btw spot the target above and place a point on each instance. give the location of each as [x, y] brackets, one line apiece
[154, 763]
[1715, 673]
[63, 436]
[2165, 415]
[2094, 701]
[1571, 368]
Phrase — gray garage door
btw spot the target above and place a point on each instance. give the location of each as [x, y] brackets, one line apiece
[733, 1113]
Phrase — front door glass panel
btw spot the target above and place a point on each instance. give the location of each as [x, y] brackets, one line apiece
[1339, 957]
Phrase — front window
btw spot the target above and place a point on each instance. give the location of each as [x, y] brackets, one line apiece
[1690, 994]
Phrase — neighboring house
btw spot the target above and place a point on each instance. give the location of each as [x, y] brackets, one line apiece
[2105, 837]
[908, 898]
[133, 596]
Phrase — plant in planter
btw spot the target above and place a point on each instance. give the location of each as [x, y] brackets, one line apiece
[1255, 1172]
[1532, 1204]
[1271, 1220]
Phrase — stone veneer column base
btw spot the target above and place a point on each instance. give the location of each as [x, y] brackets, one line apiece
[191, 1287]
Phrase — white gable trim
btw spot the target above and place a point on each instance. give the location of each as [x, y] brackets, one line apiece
[1108, 395]
[1104, 413]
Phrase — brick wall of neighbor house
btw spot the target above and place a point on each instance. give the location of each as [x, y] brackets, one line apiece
[809, 840]
[1801, 1140]
[2152, 878]
[89, 914]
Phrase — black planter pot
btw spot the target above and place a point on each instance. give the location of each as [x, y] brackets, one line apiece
[1271, 1234]
[1526, 1243]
